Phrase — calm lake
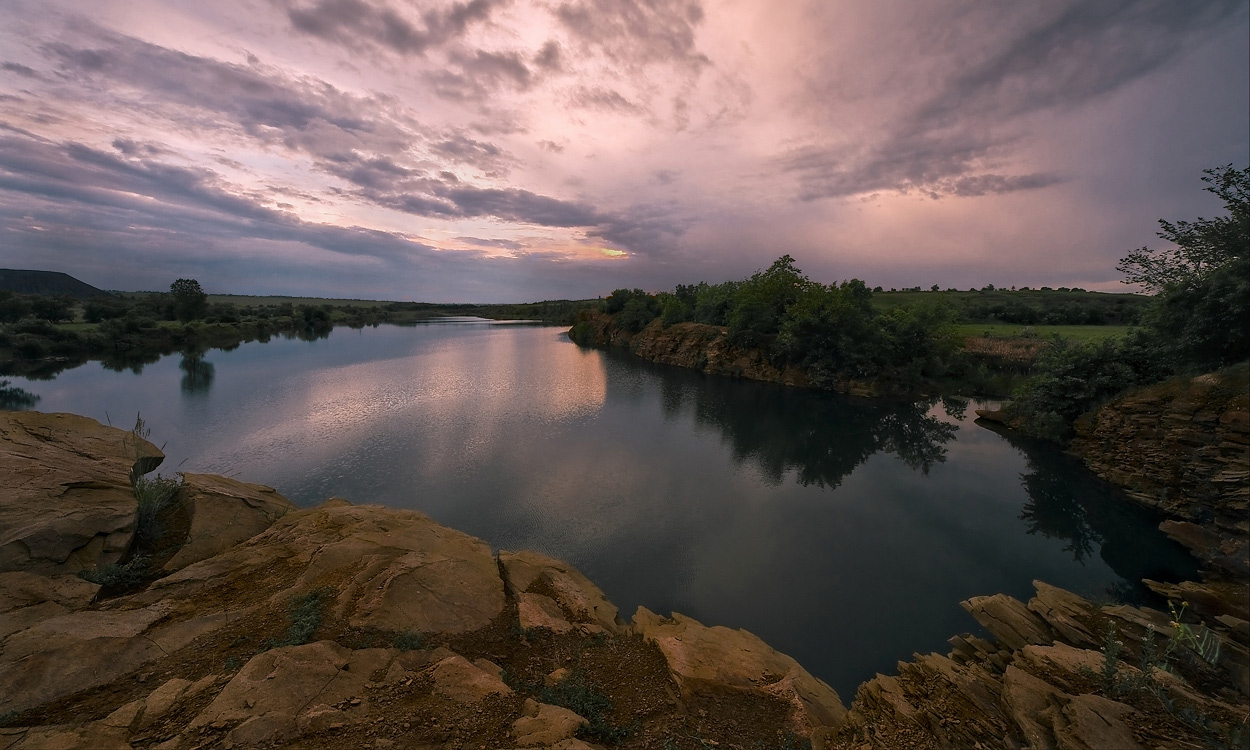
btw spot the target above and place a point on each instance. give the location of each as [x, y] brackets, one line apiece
[843, 532]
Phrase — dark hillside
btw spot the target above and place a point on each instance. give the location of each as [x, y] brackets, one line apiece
[47, 284]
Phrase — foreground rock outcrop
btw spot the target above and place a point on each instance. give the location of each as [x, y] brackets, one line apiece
[68, 502]
[345, 626]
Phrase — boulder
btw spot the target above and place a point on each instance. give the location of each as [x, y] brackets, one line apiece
[538, 611]
[68, 502]
[562, 583]
[544, 724]
[461, 680]
[697, 654]
[224, 512]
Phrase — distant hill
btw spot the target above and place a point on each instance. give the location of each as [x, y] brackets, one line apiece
[47, 283]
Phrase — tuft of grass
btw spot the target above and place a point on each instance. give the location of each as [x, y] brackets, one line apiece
[114, 577]
[586, 700]
[305, 614]
[152, 493]
[409, 640]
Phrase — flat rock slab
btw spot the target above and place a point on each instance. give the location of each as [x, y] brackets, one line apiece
[738, 659]
[385, 568]
[223, 513]
[270, 692]
[67, 503]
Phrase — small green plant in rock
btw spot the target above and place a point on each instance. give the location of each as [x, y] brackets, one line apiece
[409, 640]
[588, 701]
[152, 493]
[1111, 660]
[1205, 643]
[306, 613]
[114, 577]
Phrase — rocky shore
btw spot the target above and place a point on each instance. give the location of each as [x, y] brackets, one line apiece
[242, 621]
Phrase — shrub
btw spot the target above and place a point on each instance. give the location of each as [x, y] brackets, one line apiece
[409, 640]
[305, 615]
[1069, 380]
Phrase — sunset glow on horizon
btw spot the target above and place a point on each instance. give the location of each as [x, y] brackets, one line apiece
[511, 150]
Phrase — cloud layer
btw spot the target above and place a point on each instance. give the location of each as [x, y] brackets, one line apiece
[508, 150]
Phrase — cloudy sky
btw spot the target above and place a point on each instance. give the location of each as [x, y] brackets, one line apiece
[516, 150]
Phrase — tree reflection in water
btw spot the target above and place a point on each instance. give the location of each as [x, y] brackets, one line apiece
[197, 372]
[1065, 501]
[821, 437]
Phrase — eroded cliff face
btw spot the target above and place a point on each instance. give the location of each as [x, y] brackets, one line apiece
[1182, 446]
[699, 347]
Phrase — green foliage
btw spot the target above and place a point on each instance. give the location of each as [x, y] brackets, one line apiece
[190, 301]
[638, 311]
[113, 577]
[409, 640]
[1203, 281]
[760, 303]
[1069, 380]
[305, 615]
[588, 701]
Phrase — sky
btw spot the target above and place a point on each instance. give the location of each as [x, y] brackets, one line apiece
[520, 150]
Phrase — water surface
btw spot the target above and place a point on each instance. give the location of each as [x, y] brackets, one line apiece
[843, 532]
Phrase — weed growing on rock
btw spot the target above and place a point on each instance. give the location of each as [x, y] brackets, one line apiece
[1205, 644]
[587, 701]
[119, 578]
[152, 493]
[409, 640]
[1111, 660]
[305, 615]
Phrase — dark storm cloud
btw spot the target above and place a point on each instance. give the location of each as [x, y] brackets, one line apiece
[485, 156]
[92, 190]
[664, 176]
[479, 74]
[299, 113]
[131, 147]
[603, 99]
[1074, 54]
[303, 112]
[550, 57]
[362, 25]
[637, 32]
[983, 184]
[21, 70]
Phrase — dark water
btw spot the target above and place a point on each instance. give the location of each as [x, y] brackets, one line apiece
[843, 532]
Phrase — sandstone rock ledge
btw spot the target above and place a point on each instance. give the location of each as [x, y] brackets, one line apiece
[337, 626]
[344, 626]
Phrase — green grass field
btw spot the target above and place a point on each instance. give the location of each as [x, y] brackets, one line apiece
[1011, 330]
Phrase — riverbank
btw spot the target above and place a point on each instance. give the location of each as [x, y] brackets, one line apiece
[991, 364]
[355, 626]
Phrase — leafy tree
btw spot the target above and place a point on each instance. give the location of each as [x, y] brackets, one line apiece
[190, 301]
[1200, 247]
[1202, 304]
[761, 301]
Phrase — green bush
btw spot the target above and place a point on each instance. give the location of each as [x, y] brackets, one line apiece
[1069, 380]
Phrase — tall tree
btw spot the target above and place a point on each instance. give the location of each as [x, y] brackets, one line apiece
[190, 301]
